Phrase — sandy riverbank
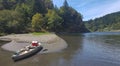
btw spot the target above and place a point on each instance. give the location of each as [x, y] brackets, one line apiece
[50, 42]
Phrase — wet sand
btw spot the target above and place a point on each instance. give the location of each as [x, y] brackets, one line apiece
[50, 42]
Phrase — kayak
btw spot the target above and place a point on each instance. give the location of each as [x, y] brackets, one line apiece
[26, 52]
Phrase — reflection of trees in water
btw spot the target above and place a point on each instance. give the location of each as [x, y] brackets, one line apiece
[74, 46]
[105, 45]
[104, 40]
[111, 39]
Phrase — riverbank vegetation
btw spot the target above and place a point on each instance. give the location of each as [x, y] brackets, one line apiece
[110, 22]
[24, 16]
[40, 33]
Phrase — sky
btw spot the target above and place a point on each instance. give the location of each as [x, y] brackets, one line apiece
[91, 9]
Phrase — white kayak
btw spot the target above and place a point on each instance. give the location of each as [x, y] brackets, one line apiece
[26, 52]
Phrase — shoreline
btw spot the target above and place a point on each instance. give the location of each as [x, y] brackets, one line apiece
[50, 42]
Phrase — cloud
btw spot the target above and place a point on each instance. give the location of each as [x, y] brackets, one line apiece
[91, 9]
[104, 9]
[82, 3]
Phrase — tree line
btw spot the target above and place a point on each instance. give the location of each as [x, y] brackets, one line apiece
[106, 23]
[23, 16]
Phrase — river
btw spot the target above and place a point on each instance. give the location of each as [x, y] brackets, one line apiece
[89, 49]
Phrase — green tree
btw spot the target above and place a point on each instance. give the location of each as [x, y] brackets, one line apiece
[26, 13]
[37, 22]
[10, 23]
[20, 16]
[54, 21]
[8, 4]
[72, 19]
[106, 23]
[48, 4]
[39, 7]
[65, 4]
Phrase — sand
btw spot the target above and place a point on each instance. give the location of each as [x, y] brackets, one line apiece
[50, 42]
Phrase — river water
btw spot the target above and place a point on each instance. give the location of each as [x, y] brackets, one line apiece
[89, 49]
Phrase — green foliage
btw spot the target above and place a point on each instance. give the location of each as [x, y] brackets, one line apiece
[7, 4]
[72, 19]
[39, 6]
[25, 11]
[37, 22]
[48, 4]
[54, 21]
[65, 4]
[106, 23]
[22, 16]
[40, 33]
[10, 21]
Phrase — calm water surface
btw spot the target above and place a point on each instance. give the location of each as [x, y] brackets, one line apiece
[90, 49]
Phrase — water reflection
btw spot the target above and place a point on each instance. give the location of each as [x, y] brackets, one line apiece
[74, 45]
[4, 56]
[106, 47]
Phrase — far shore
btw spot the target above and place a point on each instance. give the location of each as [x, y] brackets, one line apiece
[50, 42]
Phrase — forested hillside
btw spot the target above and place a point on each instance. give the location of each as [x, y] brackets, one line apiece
[106, 23]
[23, 16]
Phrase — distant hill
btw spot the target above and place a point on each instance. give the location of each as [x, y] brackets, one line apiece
[108, 22]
